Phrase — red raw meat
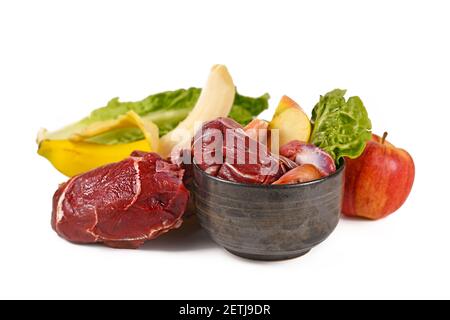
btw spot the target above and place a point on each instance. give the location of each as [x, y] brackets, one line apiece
[305, 153]
[235, 156]
[287, 164]
[121, 204]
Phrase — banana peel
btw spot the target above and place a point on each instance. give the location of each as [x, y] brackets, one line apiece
[77, 155]
[73, 158]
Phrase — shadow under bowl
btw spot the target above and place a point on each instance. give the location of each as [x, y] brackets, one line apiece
[268, 222]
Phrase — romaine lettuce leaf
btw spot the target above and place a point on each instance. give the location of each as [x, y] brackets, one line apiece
[340, 127]
[165, 109]
[245, 109]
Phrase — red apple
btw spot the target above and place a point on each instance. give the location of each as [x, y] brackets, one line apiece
[379, 181]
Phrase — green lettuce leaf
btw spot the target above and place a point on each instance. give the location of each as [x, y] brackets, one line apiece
[165, 109]
[340, 127]
[245, 109]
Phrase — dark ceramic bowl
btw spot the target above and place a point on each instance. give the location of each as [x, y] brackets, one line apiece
[268, 222]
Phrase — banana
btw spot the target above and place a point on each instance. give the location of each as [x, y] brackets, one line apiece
[216, 100]
[75, 155]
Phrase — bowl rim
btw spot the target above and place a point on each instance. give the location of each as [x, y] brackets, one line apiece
[339, 168]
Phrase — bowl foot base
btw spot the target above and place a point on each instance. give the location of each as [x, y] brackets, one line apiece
[269, 257]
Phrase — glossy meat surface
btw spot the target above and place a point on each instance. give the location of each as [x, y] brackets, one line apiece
[222, 149]
[122, 204]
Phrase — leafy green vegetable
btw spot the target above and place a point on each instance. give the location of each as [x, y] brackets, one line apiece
[341, 127]
[165, 109]
[154, 107]
[245, 109]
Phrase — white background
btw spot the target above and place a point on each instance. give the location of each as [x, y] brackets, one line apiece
[61, 59]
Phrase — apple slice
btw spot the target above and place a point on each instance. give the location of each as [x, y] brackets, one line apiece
[291, 121]
[303, 173]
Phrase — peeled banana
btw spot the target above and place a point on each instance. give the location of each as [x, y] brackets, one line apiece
[216, 100]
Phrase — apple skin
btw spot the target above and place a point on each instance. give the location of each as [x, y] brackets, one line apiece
[303, 173]
[379, 181]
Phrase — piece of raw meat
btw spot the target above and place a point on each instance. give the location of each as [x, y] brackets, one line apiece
[222, 149]
[287, 164]
[306, 153]
[121, 204]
